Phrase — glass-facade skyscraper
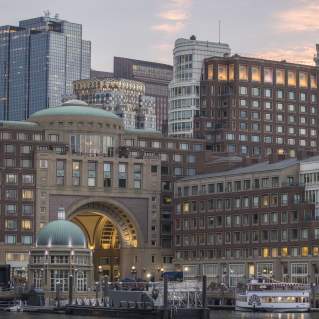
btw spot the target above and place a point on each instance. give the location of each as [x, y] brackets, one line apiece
[39, 60]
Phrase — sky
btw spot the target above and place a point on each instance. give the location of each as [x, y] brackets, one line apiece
[147, 29]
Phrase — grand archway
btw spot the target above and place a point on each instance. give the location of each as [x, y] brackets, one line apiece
[109, 228]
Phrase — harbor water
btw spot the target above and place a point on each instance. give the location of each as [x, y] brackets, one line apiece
[214, 315]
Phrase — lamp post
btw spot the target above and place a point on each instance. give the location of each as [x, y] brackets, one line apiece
[133, 272]
[100, 277]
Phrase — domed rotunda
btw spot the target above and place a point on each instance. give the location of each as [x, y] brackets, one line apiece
[61, 255]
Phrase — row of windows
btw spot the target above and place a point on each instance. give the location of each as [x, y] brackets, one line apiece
[12, 148]
[280, 94]
[228, 221]
[11, 239]
[12, 224]
[232, 186]
[12, 178]
[12, 163]
[21, 136]
[254, 252]
[14, 194]
[264, 201]
[92, 175]
[12, 209]
[169, 145]
[256, 73]
[247, 237]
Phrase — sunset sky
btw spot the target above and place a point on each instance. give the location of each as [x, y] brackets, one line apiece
[146, 29]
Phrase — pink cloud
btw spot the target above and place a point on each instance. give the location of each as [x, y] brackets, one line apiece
[173, 16]
[299, 19]
[302, 55]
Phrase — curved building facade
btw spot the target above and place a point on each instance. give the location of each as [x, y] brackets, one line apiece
[184, 89]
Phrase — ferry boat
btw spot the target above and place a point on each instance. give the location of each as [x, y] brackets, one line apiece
[270, 296]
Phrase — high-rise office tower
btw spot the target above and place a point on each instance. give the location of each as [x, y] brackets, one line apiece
[184, 93]
[155, 76]
[39, 60]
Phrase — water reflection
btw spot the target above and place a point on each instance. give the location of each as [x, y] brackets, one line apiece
[214, 315]
[259, 315]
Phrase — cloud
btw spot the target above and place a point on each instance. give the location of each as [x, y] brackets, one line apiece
[302, 54]
[170, 28]
[173, 16]
[299, 19]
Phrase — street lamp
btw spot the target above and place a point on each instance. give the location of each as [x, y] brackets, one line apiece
[133, 272]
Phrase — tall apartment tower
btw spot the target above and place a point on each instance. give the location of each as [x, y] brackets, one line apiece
[39, 60]
[184, 89]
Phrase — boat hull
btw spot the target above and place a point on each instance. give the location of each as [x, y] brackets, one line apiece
[279, 310]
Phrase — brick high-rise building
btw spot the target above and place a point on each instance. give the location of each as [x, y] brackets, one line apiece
[255, 107]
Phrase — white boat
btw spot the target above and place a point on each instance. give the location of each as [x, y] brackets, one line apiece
[270, 296]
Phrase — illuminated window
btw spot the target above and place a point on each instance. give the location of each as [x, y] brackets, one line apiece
[315, 251]
[255, 73]
[231, 71]
[27, 194]
[265, 201]
[222, 72]
[284, 251]
[243, 72]
[274, 252]
[268, 75]
[303, 79]
[185, 207]
[280, 77]
[313, 81]
[210, 71]
[304, 251]
[26, 224]
[292, 78]
[265, 252]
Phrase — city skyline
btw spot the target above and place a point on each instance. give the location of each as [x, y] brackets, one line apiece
[282, 30]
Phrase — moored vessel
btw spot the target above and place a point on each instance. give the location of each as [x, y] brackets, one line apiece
[271, 296]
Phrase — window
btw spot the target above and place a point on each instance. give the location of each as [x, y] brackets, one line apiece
[11, 178]
[255, 91]
[76, 173]
[26, 239]
[303, 79]
[26, 163]
[222, 72]
[177, 171]
[255, 74]
[107, 174]
[26, 224]
[10, 224]
[137, 174]
[43, 163]
[243, 72]
[27, 194]
[11, 208]
[210, 71]
[280, 76]
[292, 78]
[10, 194]
[268, 75]
[122, 175]
[243, 90]
[60, 167]
[27, 179]
[92, 174]
[25, 149]
[10, 239]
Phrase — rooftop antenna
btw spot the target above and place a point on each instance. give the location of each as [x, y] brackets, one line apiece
[46, 13]
[219, 24]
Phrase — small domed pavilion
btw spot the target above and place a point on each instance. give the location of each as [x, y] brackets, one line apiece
[60, 252]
